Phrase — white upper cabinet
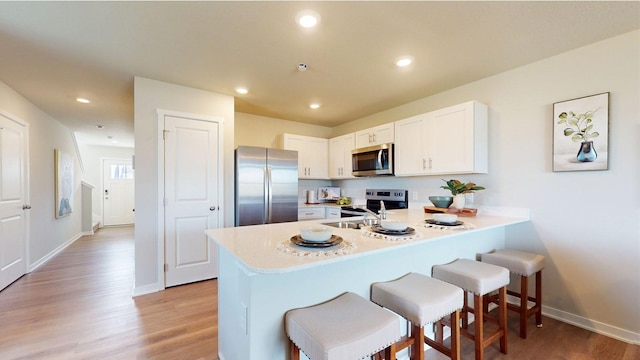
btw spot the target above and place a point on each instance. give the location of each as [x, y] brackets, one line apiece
[374, 136]
[313, 155]
[452, 140]
[340, 156]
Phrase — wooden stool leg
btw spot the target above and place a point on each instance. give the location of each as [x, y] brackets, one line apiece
[293, 349]
[465, 312]
[417, 348]
[439, 328]
[502, 318]
[455, 335]
[524, 300]
[478, 322]
[539, 298]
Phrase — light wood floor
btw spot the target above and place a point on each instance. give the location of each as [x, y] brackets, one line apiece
[79, 306]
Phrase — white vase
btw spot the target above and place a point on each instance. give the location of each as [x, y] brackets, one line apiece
[458, 201]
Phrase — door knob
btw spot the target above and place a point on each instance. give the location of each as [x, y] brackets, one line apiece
[213, 208]
[26, 207]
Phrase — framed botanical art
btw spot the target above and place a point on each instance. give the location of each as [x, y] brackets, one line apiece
[63, 183]
[581, 133]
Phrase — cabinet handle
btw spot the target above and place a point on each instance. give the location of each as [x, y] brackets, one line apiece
[430, 163]
[424, 164]
[374, 137]
[370, 138]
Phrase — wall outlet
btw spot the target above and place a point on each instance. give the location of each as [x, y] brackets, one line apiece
[468, 198]
[414, 196]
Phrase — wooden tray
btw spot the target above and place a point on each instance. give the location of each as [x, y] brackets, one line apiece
[463, 212]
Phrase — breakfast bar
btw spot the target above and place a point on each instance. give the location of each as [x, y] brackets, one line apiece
[262, 274]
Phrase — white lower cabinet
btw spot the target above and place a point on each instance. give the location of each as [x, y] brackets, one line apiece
[311, 213]
[332, 213]
[318, 212]
[453, 140]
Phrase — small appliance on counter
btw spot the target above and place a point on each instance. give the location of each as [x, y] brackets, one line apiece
[328, 193]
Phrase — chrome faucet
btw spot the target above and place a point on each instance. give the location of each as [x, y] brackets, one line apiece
[381, 216]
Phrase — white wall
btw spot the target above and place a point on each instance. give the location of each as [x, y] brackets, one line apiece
[92, 157]
[149, 96]
[255, 130]
[48, 235]
[585, 223]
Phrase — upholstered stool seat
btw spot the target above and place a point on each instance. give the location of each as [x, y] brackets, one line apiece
[480, 279]
[347, 327]
[523, 264]
[422, 300]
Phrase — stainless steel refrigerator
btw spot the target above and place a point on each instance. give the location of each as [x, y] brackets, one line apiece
[266, 185]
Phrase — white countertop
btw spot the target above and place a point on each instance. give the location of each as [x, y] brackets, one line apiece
[257, 246]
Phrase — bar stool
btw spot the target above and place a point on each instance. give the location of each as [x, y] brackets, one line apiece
[347, 327]
[523, 264]
[480, 279]
[422, 300]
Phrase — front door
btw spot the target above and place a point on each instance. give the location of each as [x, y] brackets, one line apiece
[118, 192]
[13, 194]
[192, 197]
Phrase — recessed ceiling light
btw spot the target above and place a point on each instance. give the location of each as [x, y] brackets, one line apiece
[83, 100]
[241, 90]
[114, 141]
[314, 106]
[404, 61]
[307, 18]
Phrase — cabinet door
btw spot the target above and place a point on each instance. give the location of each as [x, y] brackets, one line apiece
[332, 213]
[364, 138]
[310, 213]
[410, 146]
[340, 166]
[297, 143]
[384, 134]
[313, 154]
[376, 135]
[317, 156]
[456, 144]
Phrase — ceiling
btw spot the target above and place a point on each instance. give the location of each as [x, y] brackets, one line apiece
[53, 52]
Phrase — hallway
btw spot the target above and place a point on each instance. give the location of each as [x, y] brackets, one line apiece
[79, 306]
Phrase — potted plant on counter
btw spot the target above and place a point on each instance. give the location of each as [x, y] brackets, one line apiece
[458, 189]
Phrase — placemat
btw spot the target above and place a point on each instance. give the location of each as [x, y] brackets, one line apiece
[344, 248]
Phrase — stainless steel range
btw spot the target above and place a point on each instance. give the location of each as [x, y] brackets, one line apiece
[393, 199]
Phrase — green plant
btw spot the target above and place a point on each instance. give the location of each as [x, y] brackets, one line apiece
[457, 187]
[583, 124]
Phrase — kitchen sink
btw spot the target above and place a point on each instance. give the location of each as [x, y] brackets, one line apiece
[344, 224]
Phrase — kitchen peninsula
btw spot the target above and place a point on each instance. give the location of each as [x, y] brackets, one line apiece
[262, 275]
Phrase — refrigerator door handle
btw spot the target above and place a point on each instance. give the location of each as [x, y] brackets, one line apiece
[268, 197]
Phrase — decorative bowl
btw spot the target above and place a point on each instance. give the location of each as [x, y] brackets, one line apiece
[441, 201]
[394, 225]
[316, 233]
[445, 218]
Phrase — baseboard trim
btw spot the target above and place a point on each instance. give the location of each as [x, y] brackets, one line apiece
[53, 253]
[592, 325]
[147, 289]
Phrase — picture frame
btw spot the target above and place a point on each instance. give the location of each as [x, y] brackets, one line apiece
[63, 183]
[581, 134]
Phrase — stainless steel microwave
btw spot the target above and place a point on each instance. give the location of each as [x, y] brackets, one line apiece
[373, 160]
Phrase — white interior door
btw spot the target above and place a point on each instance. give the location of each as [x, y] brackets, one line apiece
[13, 188]
[193, 184]
[118, 192]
